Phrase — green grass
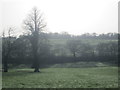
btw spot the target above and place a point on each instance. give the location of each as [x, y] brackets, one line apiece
[96, 77]
[84, 64]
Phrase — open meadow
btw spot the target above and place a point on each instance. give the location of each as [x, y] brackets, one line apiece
[89, 77]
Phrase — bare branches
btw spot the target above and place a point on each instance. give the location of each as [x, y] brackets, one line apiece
[3, 33]
[8, 32]
[34, 21]
[29, 25]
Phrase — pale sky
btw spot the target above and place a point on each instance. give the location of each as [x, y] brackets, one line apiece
[73, 16]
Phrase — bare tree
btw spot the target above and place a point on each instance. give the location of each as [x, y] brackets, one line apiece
[34, 23]
[73, 46]
[6, 48]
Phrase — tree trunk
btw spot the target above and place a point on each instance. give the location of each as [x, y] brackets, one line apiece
[36, 67]
[5, 63]
[74, 55]
[5, 67]
[36, 60]
[36, 64]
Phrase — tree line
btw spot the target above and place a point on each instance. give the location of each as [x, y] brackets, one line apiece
[64, 35]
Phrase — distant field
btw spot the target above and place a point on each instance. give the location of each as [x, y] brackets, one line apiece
[95, 77]
[84, 64]
[90, 41]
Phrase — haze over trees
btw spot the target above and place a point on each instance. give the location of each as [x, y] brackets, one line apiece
[62, 50]
[38, 49]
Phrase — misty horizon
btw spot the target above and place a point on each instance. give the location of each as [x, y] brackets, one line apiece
[75, 17]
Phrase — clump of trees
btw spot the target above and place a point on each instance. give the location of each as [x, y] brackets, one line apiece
[26, 45]
[51, 51]
[108, 49]
[7, 48]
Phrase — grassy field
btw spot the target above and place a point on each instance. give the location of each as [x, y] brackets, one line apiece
[94, 77]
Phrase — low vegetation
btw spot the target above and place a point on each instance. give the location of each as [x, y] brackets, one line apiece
[69, 75]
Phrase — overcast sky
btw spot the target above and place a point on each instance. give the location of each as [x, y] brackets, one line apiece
[72, 16]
